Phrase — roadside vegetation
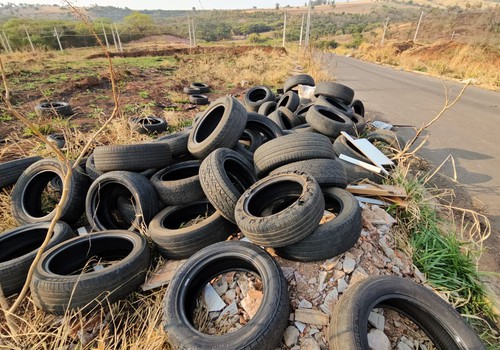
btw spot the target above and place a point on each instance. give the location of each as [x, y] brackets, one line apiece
[152, 85]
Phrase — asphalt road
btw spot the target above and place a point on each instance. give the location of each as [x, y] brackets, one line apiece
[470, 131]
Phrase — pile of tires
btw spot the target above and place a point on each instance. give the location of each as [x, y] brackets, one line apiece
[265, 169]
[196, 92]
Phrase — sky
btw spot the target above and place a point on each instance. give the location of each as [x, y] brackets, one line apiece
[172, 5]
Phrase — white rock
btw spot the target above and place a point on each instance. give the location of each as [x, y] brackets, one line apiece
[300, 326]
[349, 264]
[358, 275]
[377, 340]
[403, 346]
[291, 336]
[304, 304]
[376, 320]
[212, 299]
[231, 309]
[231, 294]
[341, 285]
[322, 280]
[312, 280]
[419, 274]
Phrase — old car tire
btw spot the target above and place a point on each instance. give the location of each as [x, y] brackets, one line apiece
[101, 204]
[224, 176]
[176, 241]
[136, 157]
[220, 126]
[264, 331]
[59, 284]
[333, 237]
[291, 148]
[441, 323]
[11, 170]
[19, 247]
[27, 194]
[179, 183]
[280, 210]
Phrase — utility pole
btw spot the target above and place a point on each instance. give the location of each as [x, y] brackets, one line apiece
[118, 36]
[194, 32]
[385, 30]
[308, 25]
[58, 39]
[284, 30]
[301, 29]
[29, 39]
[114, 38]
[4, 45]
[105, 36]
[190, 36]
[418, 26]
[7, 41]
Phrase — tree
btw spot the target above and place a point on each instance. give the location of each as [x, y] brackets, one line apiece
[277, 6]
[139, 22]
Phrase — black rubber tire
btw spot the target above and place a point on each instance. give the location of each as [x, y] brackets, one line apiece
[101, 204]
[299, 79]
[19, 247]
[27, 193]
[334, 104]
[90, 169]
[198, 99]
[328, 121]
[53, 109]
[435, 317]
[334, 90]
[280, 210]
[176, 241]
[359, 124]
[220, 126]
[179, 183]
[224, 176]
[333, 237]
[256, 97]
[56, 287]
[267, 108]
[290, 100]
[249, 141]
[263, 332]
[342, 145]
[302, 110]
[355, 174]
[291, 148]
[265, 126]
[57, 140]
[191, 91]
[204, 88]
[391, 138]
[285, 118]
[358, 107]
[11, 170]
[135, 157]
[327, 172]
[177, 141]
[304, 128]
[148, 125]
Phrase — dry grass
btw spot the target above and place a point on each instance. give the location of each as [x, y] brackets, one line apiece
[449, 59]
[134, 324]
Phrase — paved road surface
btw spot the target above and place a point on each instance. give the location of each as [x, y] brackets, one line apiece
[470, 131]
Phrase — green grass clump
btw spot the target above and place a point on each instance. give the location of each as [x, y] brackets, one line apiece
[447, 261]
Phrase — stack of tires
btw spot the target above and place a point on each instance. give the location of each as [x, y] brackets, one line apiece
[266, 168]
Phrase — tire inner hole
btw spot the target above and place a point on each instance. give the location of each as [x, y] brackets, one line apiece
[21, 244]
[189, 215]
[90, 255]
[209, 123]
[42, 194]
[274, 198]
[257, 95]
[236, 297]
[116, 208]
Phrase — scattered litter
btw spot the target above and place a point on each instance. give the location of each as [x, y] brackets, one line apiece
[163, 275]
[360, 163]
[381, 125]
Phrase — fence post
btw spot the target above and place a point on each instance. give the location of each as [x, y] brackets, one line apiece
[7, 40]
[119, 40]
[308, 25]
[284, 30]
[301, 29]
[29, 39]
[105, 36]
[114, 38]
[58, 39]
